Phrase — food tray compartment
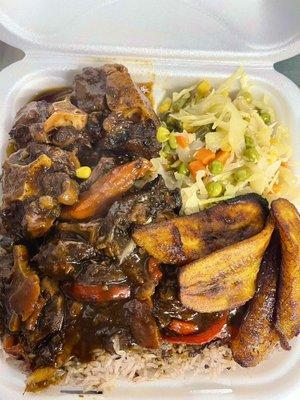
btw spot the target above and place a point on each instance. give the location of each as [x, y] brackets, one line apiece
[275, 378]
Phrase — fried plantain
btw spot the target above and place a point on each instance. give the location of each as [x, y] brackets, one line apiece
[257, 335]
[287, 221]
[184, 239]
[226, 278]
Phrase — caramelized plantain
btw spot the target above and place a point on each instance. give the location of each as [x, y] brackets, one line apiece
[287, 221]
[226, 278]
[184, 239]
[105, 190]
[257, 335]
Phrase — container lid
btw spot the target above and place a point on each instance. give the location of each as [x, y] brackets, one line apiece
[258, 31]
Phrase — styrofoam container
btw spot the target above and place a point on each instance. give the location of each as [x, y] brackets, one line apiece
[174, 44]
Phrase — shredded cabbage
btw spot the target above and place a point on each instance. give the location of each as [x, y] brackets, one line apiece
[227, 120]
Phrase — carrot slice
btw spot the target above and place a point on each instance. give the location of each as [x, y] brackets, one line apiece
[106, 189]
[182, 141]
[203, 337]
[204, 155]
[182, 327]
[222, 156]
[97, 293]
[196, 166]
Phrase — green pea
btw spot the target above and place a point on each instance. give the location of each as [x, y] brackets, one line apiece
[174, 124]
[249, 142]
[251, 155]
[166, 152]
[247, 96]
[173, 142]
[162, 134]
[183, 169]
[216, 167]
[214, 189]
[266, 117]
[241, 174]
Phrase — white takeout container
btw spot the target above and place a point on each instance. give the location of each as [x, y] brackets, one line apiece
[174, 44]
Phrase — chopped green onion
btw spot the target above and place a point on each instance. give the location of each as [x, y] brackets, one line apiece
[181, 102]
[174, 124]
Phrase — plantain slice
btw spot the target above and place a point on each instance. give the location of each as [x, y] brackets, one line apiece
[257, 335]
[226, 278]
[287, 220]
[184, 239]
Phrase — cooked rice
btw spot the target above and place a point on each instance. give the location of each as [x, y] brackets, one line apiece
[138, 364]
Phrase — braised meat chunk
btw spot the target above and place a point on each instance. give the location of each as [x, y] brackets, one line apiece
[90, 90]
[29, 122]
[151, 203]
[36, 181]
[132, 124]
[62, 258]
[129, 122]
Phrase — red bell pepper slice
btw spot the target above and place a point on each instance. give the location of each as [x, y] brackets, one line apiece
[203, 337]
[97, 293]
[182, 327]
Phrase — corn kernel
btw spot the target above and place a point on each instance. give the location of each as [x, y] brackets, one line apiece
[83, 172]
[162, 134]
[204, 88]
[165, 106]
